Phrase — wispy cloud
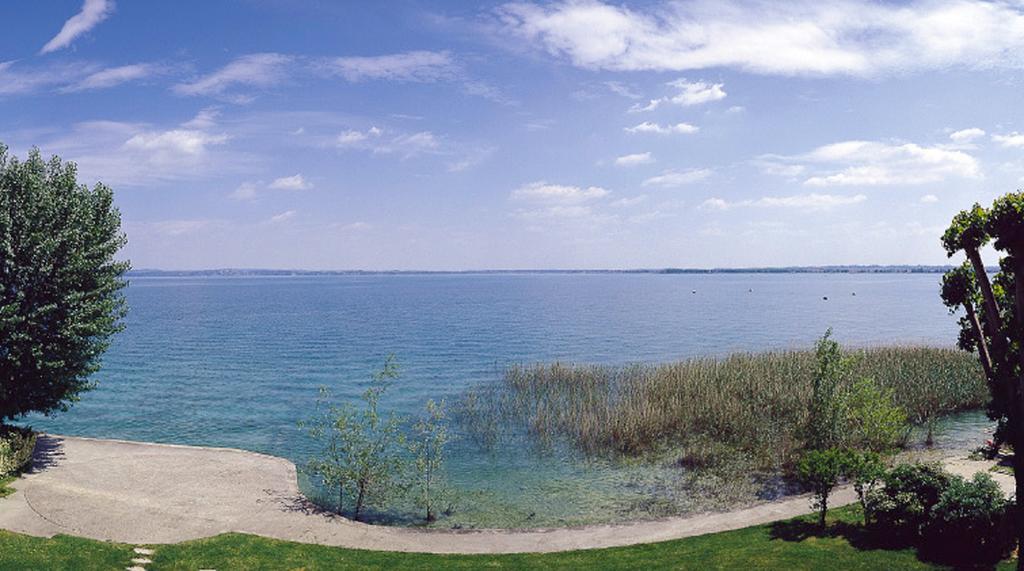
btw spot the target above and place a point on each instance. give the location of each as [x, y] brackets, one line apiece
[113, 76]
[673, 179]
[805, 37]
[92, 13]
[294, 182]
[874, 163]
[283, 217]
[633, 160]
[414, 66]
[1011, 140]
[966, 135]
[688, 93]
[648, 127]
[253, 70]
[811, 201]
[544, 192]
[378, 140]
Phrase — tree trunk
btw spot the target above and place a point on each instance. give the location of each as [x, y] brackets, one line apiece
[359, 500]
[979, 338]
[994, 322]
[341, 497]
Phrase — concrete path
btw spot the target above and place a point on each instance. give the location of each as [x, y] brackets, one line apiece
[156, 493]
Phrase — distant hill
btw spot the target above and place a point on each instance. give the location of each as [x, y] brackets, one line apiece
[840, 269]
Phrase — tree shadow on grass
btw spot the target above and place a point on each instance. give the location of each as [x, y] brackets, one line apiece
[865, 539]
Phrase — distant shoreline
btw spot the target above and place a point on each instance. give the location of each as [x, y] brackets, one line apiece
[839, 269]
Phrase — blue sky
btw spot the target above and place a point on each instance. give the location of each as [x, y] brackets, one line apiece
[414, 135]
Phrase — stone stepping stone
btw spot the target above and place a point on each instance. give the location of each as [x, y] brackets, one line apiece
[143, 551]
[141, 561]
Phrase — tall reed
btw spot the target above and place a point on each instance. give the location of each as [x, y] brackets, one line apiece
[756, 404]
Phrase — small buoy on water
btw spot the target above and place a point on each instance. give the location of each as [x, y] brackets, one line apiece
[854, 293]
[750, 291]
[694, 291]
[825, 297]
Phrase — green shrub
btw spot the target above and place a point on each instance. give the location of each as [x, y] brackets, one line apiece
[865, 469]
[16, 446]
[970, 522]
[871, 419]
[820, 471]
[903, 506]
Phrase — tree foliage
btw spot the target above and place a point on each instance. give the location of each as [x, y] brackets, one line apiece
[428, 443]
[361, 448]
[60, 284]
[993, 324]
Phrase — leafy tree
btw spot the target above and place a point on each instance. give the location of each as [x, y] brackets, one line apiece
[872, 421]
[1002, 323]
[820, 471]
[360, 448]
[825, 428]
[60, 286]
[430, 437]
[865, 470]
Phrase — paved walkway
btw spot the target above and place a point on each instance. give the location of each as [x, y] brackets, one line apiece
[156, 493]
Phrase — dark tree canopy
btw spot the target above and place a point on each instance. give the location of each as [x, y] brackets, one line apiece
[967, 231]
[61, 298]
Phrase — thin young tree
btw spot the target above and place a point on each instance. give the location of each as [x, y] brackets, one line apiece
[60, 284]
[430, 438]
[361, 448]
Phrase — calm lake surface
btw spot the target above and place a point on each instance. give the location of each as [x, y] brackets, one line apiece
[237, 361]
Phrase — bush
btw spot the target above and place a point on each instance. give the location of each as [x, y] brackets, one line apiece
[872, 421]
[970, 522]
[904, 505]
[820, 471]
[16, 446]
[865, 469]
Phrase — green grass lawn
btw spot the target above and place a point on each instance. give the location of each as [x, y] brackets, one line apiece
[792, 544]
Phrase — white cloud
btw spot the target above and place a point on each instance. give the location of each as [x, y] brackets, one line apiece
[873, 163]
[113, 76]
[93, 12]
[648, 127]
[134, 154]
[929, 199]
[175, 141]
[804, 37]
[380, 142]
[672, 179]
[626, 202]
[414, 66]
[1013, 140]
[17, 81]
[966, 135]
[245, 191]
[619, 88]
[544, 192]
[253, 70]
[634, 160]
[690, 93]
[294, 182]
[811, 201]
[283, 217]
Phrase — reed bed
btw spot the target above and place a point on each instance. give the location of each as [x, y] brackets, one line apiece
[705, 408]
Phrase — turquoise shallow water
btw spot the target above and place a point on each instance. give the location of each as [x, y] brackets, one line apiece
[237, 361]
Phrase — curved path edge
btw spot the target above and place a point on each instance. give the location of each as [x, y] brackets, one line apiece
[144, 493]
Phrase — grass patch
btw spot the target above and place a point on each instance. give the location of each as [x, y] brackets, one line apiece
[753, 404]
[5, 485]
[792, 544]
[25, 553]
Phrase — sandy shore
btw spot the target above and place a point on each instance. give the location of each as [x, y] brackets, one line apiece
[144, 493]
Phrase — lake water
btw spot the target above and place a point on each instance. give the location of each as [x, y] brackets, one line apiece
[237, 361]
